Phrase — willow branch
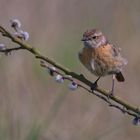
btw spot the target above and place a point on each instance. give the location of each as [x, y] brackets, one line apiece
[124, 106]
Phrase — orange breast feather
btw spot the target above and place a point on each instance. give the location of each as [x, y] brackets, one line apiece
[104, 55]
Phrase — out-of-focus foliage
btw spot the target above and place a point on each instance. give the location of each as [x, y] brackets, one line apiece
[32, 105]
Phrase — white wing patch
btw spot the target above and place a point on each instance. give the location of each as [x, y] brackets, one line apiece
[92, 64]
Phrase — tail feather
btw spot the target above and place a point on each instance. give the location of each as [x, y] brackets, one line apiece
[120, 77]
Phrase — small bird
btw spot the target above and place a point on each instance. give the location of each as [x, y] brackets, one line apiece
[101, 58]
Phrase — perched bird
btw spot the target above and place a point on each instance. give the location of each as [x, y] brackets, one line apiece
[101, 58]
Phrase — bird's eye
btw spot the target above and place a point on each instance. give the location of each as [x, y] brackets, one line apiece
[94, 37]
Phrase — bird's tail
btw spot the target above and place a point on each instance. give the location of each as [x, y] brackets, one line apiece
[120, 77]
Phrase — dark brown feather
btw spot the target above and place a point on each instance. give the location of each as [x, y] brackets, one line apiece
[120, 77]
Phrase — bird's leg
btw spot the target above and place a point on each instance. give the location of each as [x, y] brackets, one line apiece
[113, 83]
[111, 93]
[95, 85]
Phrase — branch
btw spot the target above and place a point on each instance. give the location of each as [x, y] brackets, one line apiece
[122, 105]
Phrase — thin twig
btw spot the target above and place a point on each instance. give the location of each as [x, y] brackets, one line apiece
[8, 50]
[99, 92]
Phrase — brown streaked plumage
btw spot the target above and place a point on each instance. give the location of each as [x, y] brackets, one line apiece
[100, 57]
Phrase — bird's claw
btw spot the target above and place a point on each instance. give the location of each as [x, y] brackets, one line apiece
[94, 86]
[110, 94]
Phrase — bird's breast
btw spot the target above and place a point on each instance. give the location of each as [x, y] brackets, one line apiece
[96, 60]
[86, 57]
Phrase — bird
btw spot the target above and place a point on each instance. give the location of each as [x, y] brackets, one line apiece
[101, 58]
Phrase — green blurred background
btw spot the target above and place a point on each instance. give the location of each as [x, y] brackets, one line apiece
[32, 105]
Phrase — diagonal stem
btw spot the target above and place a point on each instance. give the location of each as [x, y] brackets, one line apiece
[79, 77]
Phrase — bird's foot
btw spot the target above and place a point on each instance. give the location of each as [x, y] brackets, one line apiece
[94, 86]
[110, 94]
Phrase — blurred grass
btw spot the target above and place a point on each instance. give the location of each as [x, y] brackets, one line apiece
[32, 105]
[34, 133]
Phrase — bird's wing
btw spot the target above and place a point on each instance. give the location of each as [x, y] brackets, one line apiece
[115, 51]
